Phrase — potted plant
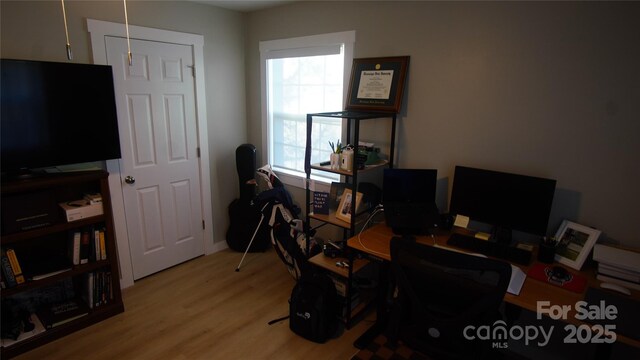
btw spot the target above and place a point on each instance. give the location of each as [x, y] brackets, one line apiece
[336, 150]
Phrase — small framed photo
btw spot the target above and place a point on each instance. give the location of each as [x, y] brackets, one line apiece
[377, 84]
[347, 206]
[335, 194]
[574, 242]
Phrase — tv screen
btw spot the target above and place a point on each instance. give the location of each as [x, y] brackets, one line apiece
[509, 201]
[56, 114]
[409, 200]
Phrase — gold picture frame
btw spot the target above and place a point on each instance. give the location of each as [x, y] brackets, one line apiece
[346, 208]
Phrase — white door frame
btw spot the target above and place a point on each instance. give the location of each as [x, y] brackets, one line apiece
[98, 30]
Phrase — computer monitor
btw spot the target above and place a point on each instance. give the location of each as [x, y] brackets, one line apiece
[506, 201]
[409, 200]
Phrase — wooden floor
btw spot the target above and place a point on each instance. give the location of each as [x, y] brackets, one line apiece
[203, 309]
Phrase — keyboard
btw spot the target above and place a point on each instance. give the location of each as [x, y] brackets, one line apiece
[493, 249]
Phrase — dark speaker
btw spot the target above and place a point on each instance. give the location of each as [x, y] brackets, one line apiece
[246, 167]
[446, 221]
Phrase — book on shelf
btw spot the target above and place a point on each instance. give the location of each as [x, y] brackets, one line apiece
[15, 266]
[615, 280]
[354, 302]
[74, 247]
[620, 258]
[94, 245]
[87, 293]
[341, 285]
[103, 246]
[49, 274]
[97, 288]
[57, 314]
[7, 273]
[619, 273]
[85, 247]
[96, 241]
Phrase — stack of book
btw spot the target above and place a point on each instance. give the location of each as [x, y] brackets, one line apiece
[618, 266]
[341, 290]
[87, 245]
[57, 314]
[97, 288]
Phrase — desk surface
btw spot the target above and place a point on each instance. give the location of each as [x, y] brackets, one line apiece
[375, 241]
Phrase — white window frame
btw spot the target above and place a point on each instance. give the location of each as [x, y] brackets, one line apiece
[297, 46]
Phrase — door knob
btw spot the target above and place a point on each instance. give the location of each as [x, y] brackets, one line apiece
[130, 180]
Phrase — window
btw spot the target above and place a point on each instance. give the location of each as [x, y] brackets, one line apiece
[300, 76]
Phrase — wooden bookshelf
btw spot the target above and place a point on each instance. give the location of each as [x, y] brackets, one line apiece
[52, 236]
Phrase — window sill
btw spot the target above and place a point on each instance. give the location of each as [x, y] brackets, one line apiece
[298, 180]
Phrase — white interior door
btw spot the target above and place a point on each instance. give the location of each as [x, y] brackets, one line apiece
[159, 142]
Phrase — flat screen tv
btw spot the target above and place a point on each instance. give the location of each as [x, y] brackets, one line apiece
[56, 114]
[409, 200]
[506, 201]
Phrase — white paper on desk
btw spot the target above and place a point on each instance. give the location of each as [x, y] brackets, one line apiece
[517, 280]
[461, 221]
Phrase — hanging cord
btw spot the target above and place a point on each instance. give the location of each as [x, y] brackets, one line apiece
[66, 31]
[377, 210]
[126, 22]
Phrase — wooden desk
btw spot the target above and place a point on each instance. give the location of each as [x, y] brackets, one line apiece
[375, 241]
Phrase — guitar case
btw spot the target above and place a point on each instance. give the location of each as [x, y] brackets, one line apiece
[246, 167]
[244, 216]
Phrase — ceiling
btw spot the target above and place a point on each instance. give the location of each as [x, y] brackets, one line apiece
[244, 5]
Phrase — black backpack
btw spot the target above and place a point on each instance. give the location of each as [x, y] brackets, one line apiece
[313, 308]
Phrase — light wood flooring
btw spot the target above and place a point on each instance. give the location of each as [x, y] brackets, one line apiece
[203, 309]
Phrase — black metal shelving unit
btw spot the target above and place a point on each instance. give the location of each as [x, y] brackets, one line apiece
[354, 120]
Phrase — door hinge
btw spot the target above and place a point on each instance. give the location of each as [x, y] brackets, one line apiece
[198, 151]
[202, 224]
[193, 70]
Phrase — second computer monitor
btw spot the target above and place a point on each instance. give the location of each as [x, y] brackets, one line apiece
[408, 197]
[506, 201]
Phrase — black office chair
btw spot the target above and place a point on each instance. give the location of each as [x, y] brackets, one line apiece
[438, 294]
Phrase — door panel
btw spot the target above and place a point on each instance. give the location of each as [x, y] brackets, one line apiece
[151, 235]
[156, 110]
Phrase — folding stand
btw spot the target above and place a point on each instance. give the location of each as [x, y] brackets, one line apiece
[254, 235]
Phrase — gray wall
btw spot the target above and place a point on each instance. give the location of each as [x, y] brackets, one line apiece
[34, 30]
[543, 89]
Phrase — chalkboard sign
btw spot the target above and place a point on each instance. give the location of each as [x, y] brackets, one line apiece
[320, 202]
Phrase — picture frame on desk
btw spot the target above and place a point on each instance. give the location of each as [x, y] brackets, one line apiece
[574, 243]
[335, 194]
[347, 206]
[377, 84]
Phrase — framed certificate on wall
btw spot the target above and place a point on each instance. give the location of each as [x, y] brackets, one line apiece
[377, 84]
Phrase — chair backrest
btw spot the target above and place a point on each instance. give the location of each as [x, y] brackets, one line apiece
[440, 293]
